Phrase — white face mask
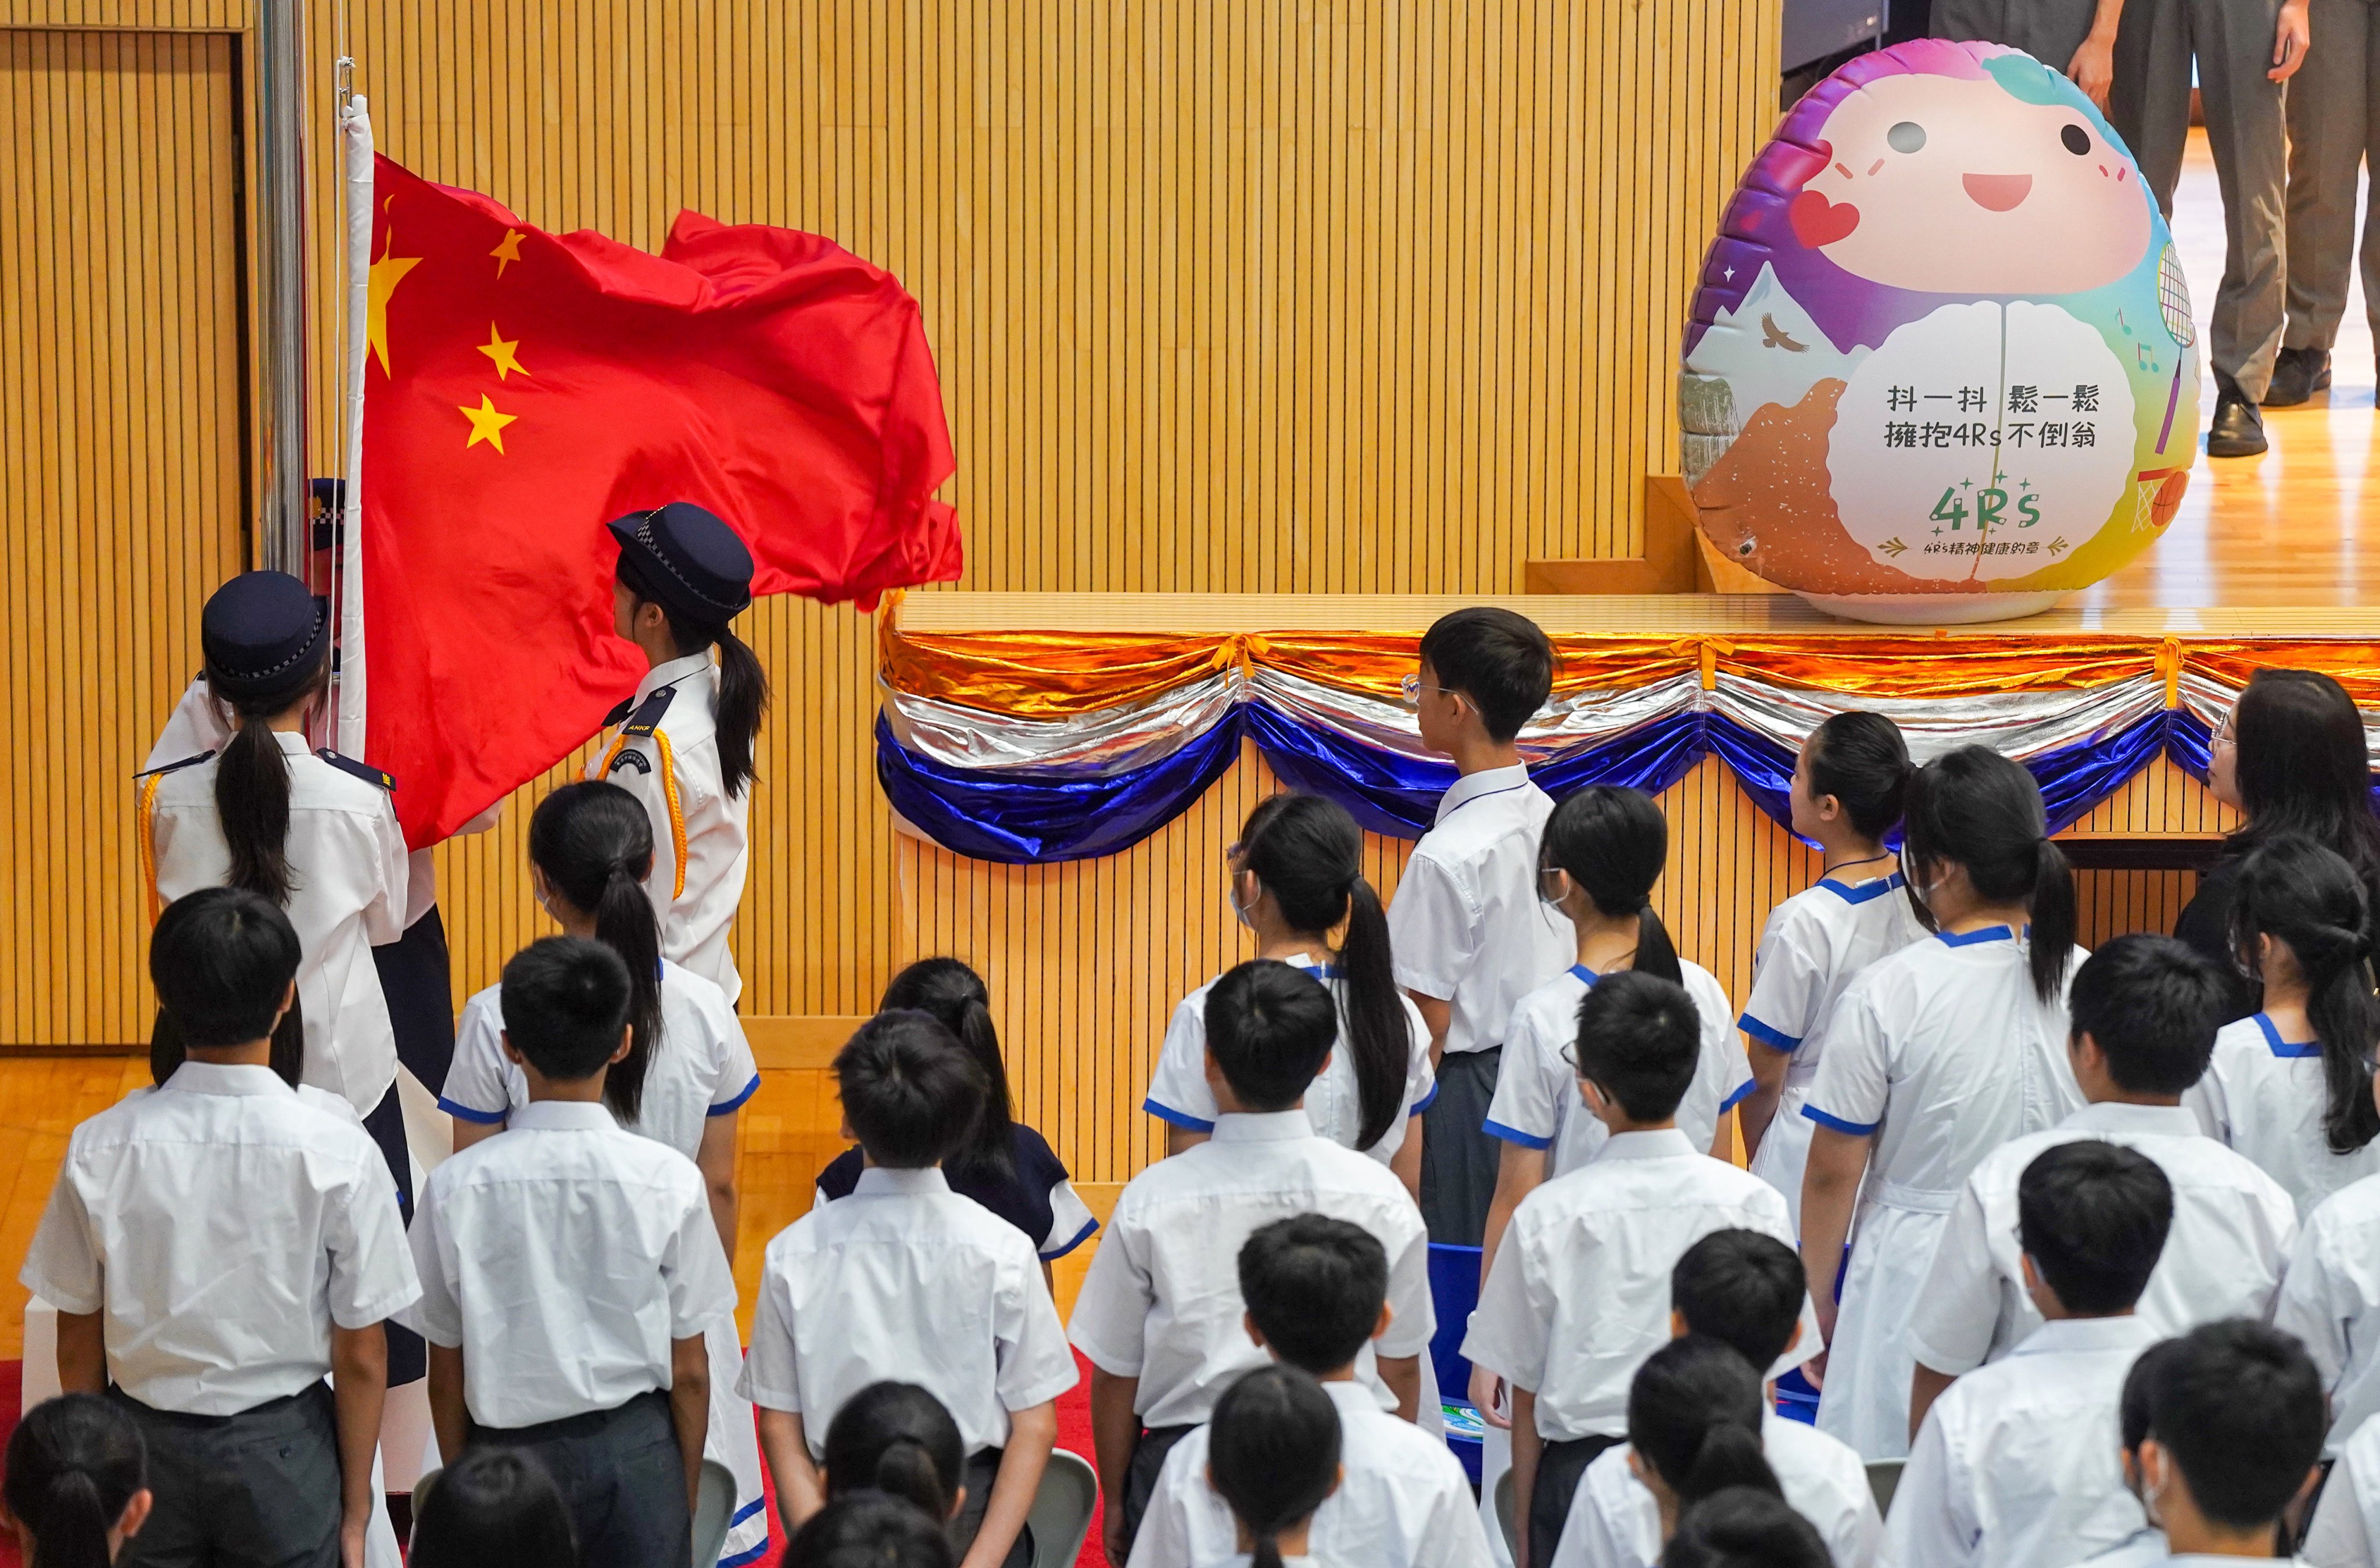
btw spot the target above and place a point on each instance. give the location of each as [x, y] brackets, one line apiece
[1230, 901]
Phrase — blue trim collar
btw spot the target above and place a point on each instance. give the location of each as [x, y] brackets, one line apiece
[2286, 1048]
[1584, 974]
[1181, 1119]
[1969, 939]
[1864, 891]
[1496, 1129]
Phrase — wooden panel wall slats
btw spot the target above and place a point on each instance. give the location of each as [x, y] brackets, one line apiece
[119, 434]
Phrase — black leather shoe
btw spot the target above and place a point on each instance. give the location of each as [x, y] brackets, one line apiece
[2298, 374]
[2237, 429]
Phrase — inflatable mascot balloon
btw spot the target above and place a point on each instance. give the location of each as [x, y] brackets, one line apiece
[1941, 365]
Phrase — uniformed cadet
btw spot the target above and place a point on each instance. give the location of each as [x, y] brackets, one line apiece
[685, 740]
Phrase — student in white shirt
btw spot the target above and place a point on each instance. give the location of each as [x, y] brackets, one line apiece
[896, 1438]
[569, 1271]
[1275, 1460]
[687, 1075]
[2143, 1013]
[1579, 1292]
[1934, 1057]
[1744, 1291]
[2015, 1465]
[1295, 876]
[2330, 1299]
[2291, 1086]
[1695, 1409]
[215, 1247]
[78, 1482]
[905, 1278]
[2145, 1547]
[1160, 1316]
[1316, 1293]
[2235, 1435]
[1848, 782]
[2347, 1518]
[1744, 1527]
[685, 738]
[1471, 936]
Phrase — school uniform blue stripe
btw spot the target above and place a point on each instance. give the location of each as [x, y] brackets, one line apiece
[1865, 891]
[1584, 973]
[1774, 1038]
[484, 1118]
[1857, 1129]
[1969, 939]
[1497, 1129]
[1080, 1237]
[1425, 1102]
[1732, 1100]
[1179, 1118]
[735, 1104]
[2285, 1050]
[744, 1512]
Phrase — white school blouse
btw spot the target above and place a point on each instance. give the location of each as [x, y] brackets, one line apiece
[1178, 1091]
[2330, 1299]
[2264, 1096]
[1536, 1103]
[1579, 1293]
[1467, 925]
[1402, 1501]
[2016, 1465]
[1614, 1523]
[2232, 1230]
[348, 881]
[1162, 1300]
[222, 1225]
[700, 843]
[2346, 1521]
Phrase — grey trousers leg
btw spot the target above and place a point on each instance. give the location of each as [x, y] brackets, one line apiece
[260, 1490]
[2049, 31]
[621, 1477]
[2231, 42]
[2333, 121]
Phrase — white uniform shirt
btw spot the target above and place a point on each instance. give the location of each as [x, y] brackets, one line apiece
[1536, 1103]
[1579, 1294]
[700, 1067]
[347, 872]
[2264, 1096]
[1402, 1501]
[2232, 1230]
[705, 819]
[2346, 1521]
[2143, 1549]
[565, 1255]
[1614, 1523]
[1178, 1091]
[2016, 1465]
[2330, 1299]
[905, 1279]
[1466, 924]
[1162, 1300]
[222, 1225]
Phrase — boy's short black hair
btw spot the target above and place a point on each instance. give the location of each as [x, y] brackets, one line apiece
[565, 1002]
[1743, 1289]
[2152, 1004]
[2132, 1405]
[2239, 1407]
[1497, 658]
[1639, 1037]
[222, 960]
[1269, 1028]
[909, 1089]
[2093, 1217]
[1315, 1287]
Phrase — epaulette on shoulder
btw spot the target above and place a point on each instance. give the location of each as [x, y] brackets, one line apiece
[174, 767]
[647, 716]
[620, 710]
[363, 770]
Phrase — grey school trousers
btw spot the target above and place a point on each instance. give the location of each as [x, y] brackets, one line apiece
[622, 1476]
[2334, 124]
[2232, 42]
[2049, 31]
[258, 1489]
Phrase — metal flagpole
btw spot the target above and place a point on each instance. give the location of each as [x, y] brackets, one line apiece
[356, 137]
[281, 211]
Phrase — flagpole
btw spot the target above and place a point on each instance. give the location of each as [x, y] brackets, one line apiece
[355, 142]
[281, 346]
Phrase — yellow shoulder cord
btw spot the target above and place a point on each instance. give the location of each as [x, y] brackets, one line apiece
[669, 793]
[148, 847]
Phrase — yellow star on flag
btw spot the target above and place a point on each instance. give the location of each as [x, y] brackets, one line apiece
[507, 250]
[386, 274]
[486, 424]
[497, 349]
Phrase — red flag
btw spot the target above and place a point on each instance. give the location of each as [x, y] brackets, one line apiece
[523, 388]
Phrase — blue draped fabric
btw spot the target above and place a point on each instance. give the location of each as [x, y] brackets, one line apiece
[2075, 778]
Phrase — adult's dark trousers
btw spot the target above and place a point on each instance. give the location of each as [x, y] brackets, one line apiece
[1459, 1155]
[1140, 1477]
[982, 1470]
[621, 1476]
[1560, 1467]
[258, 1489]
[2049, 31]
[413, 980]
[2333, 113]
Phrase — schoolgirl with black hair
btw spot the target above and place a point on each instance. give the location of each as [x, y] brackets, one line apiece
[1295, 880]
[1273, 1456]
[2291, 1085]
[1934, 1056]
[897, 1439]
[1848, 782]
[684, 741]
[686, 1078]
[1694, 1426]
[494, 1505]
[77, 1483]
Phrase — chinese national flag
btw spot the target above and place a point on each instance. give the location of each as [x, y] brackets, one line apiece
[523, 388]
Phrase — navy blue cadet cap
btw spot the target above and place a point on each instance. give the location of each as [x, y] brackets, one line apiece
[685, 560]
[264, 634]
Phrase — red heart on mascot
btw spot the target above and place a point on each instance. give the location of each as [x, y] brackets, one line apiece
[1818, 222]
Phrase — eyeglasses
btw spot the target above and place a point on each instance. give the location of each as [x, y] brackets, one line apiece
[2224, 735]
[1412, 689]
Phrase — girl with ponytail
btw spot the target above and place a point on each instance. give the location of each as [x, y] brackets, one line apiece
[1006, 1166]
[687, 1076]
[1694, 1426]
[896, 1438]
[685, 740]
[1934, 1056]
[1848, 782]
[1273, 1454]
[1295, 879]
[77, 1486]
[2291, 1086]
[1744, 1527]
